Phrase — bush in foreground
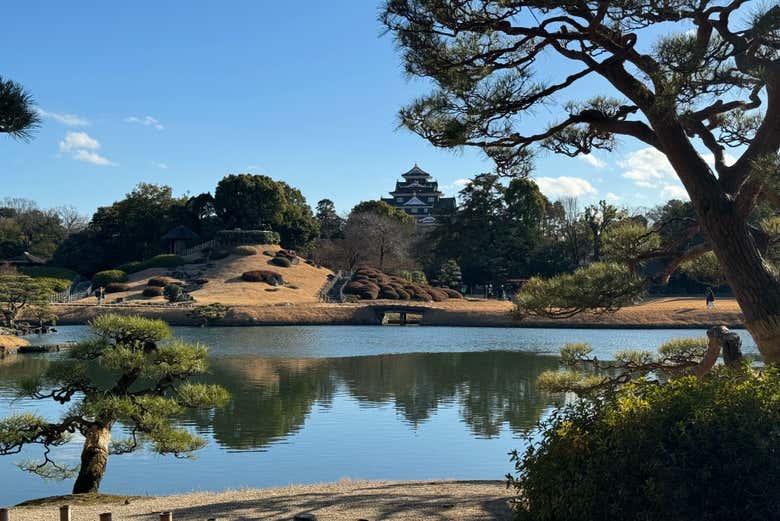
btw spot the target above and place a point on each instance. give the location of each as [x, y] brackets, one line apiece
[104, 278]
[688, 449]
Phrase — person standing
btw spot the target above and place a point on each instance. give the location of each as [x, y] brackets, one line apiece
[709, 298]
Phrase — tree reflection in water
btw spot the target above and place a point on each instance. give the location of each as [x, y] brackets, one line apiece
[271, 397]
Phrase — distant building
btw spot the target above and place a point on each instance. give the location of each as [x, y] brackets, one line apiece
[418, 195]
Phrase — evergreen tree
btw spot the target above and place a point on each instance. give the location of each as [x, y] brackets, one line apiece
[18, 117]
[709, 81]
[131, 373]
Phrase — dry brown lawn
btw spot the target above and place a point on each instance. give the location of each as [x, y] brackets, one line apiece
[342, 501]
[303, 282]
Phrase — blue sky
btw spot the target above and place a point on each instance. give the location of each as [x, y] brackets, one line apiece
[185, 93]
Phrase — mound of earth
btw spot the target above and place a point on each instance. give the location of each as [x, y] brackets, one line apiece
[220, 281]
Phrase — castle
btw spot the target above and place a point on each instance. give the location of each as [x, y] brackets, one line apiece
[418, 195]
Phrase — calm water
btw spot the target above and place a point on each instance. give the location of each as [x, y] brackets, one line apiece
[313, 404]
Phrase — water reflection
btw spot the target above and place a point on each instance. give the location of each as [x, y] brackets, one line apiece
[272, 397]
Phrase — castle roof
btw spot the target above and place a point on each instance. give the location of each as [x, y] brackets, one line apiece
[416, 171]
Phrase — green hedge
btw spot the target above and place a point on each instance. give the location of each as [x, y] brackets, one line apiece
[132, 267]
[282, 262]
[248, 237]
[692, 448]
[152, 291]
[104, 278]
[166, 260]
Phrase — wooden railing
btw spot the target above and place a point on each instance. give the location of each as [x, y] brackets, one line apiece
[199, 247]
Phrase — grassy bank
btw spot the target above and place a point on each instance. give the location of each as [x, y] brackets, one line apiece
[681, 312]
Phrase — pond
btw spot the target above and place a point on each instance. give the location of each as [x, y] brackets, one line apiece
[313, 404]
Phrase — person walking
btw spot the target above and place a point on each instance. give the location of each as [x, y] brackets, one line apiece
[709, 298]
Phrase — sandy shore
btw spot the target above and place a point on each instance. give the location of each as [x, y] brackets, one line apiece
[668, 312]
[342, 501]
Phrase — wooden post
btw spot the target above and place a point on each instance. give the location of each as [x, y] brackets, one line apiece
[105, 517]
[65, 513]
[166, 516]
[402, 318]
[4, 514]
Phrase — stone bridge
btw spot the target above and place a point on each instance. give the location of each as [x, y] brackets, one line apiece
[381, 312]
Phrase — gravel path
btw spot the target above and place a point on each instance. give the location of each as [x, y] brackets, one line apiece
[342, 501]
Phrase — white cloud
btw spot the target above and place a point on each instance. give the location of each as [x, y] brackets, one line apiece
[593, 160]
[646, 167]
[565, 186]
[92, 158]
[456, 186]
[78, 140]
[613, 197]
[82, 148]
[147, 121]
[70, 120]
[727, 158]
[164, 166]
[674, 192]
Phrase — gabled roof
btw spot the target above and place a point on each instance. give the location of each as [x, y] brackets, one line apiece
[415, 201]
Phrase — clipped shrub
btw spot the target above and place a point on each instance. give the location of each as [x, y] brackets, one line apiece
[403, 294]
[152, 291]
[388, 292]
[167, 260]
[209, 314]
[245, 251]
[691, 448]
[54, 284]
[200, 280]
[219, 254]
[269, 253]
[101, 279]
[437, 294]
[282, 262]
[451, 293]
[117, 287]
[159, 282]
[269, 277]
[132, 267]
[173, 292]
[248, 237]
[49, 272]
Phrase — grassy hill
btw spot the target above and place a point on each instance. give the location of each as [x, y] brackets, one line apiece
[224, 284]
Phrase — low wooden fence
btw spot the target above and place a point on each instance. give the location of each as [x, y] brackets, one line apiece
[66, 512]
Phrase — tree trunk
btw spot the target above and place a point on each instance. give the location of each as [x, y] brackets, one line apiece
[751, 278]
[94, 458]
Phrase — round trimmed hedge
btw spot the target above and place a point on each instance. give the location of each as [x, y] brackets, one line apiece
[116, 287]
[281, 262]
[245, 251]
[152, 291]
[101, 279]
[269, 277]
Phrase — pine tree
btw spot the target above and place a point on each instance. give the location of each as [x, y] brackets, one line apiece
[130, 372]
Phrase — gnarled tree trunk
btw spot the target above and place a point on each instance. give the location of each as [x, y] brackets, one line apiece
[94, 458]
[754, 283]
